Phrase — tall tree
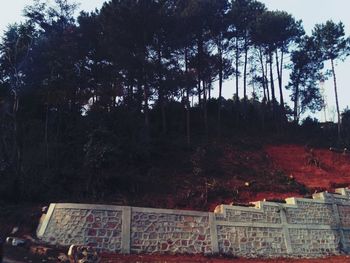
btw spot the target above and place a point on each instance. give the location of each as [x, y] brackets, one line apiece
[57, 48]
[163, 47]
[15, 52]
[304, 78]
[243, 16]
[272, 34]
[287, 31]
[221, 39]
[201, 32]
[330, 39]
[185, 52]
[128, 31]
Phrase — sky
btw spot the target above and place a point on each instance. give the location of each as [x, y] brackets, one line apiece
[12, 11]
[311, 12]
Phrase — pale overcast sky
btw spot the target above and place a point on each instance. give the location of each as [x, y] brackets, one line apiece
[313, 12]
[11, 10]
[309, 11]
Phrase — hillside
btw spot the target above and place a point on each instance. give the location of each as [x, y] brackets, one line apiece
[238, 173]
[241, 173]
[315, 168]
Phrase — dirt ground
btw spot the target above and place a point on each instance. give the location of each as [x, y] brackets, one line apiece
[319, 170]
[24, 255]
[315, 169]
[201, 259]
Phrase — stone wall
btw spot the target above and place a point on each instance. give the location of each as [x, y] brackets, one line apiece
[299, 227]
[96, 226]
[161, 231]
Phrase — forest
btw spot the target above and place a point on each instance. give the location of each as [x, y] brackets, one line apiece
[91, 106]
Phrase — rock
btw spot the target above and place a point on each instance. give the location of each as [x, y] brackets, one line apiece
[14, 241]
[14, 230]
[44, 209]
[63, 258]
[83, 254]
[41, 251]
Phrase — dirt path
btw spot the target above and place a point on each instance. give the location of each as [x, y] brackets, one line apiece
[7, 260]
[201, 259]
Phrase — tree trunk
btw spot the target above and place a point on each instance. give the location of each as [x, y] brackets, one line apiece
[47, 132]
[245, 73]
[272, 84]
[145, 99]
[163, 112]
[263, 75]
[220, 89]
[188, 116]
[146, 108]
[199, 68]
[17, 187]
[266, 80]
[279, 76]
[336, 99]
[199, 91]
[236, 70]
[161, 92]
[296, 103]
[128, 97]
[3, 143]
[145, 86]
[205, 113]
[209, 91]
[188, 106]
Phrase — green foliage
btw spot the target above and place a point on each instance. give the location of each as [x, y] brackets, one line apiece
[345, 120]
[91, 108]
[331, 40]
[276, 29]
[305, 77]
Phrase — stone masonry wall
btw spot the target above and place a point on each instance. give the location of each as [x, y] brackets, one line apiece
[314, 242]
[298, 228]
[157, 232]
[92, 227]
[257, 240]
[310, 213]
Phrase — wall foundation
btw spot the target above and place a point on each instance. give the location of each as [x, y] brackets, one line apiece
[300, 227]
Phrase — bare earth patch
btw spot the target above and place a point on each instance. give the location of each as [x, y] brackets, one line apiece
[201, 259]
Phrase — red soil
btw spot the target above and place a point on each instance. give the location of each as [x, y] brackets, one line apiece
[260, 170]
[317, 169]
[332, 171]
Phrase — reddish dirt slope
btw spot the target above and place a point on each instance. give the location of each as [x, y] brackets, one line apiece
[319, 169]
[254, 175]
[241, 174]
[238, 175]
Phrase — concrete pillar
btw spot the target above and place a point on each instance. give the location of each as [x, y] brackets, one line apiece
[286, 234]
[126, 227]
[213, 233]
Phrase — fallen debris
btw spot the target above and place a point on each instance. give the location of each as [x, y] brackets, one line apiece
[83, 254]
[15, 241]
